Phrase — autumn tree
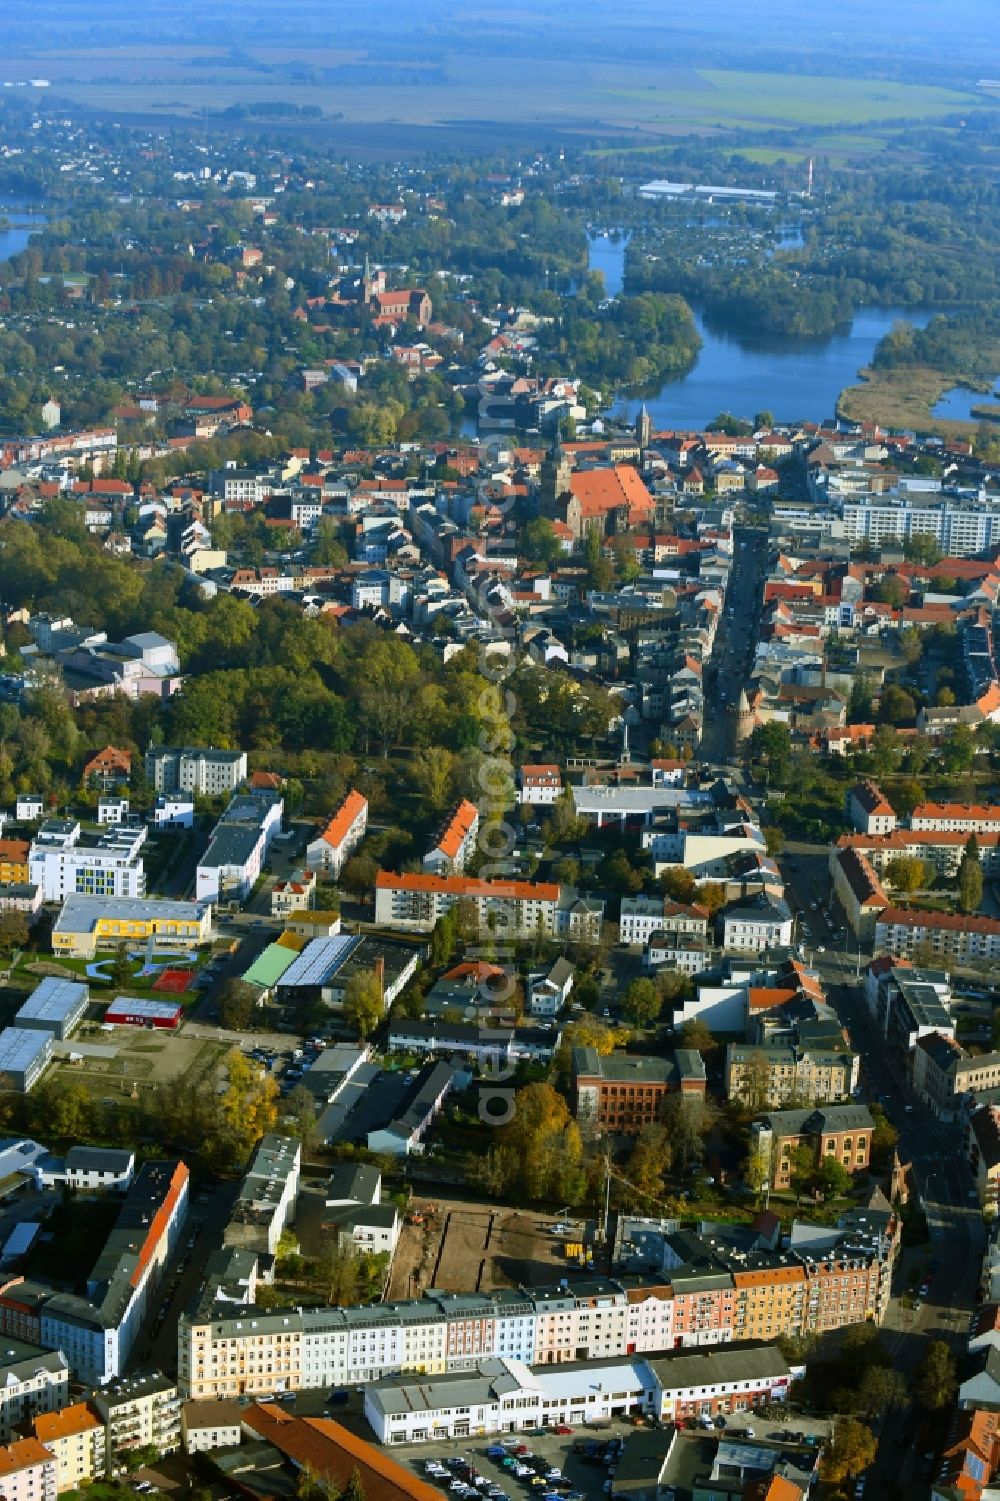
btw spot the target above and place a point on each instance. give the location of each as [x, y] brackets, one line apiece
[970, 877]
[364, 1002]
[642, 1003]
[906, 873]
[852, 1450]
[649, 1160]
[540, 1149]
[696, 1033]
[880, 1389]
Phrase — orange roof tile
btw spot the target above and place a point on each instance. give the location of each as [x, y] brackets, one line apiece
[456, 830]
[333, 1452]
[340, 824]
[79, 1418]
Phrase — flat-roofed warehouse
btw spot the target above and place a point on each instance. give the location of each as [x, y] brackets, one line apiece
[24, 1055]
[325, 966]
[57, 1006]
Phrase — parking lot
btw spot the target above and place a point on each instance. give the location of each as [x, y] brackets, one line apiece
[581, 1478]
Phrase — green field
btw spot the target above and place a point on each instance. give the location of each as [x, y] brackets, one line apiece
[796, 99]
[590, 97]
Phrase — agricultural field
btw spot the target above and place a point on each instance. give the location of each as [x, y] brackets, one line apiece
[585, 96]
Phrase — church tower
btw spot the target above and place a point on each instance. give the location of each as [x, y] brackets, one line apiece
[554, 476]
[643, 432]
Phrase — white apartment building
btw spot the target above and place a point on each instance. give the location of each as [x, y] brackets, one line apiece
[327, 853]
[32, 1381]
[63, 862]
[239, 846]
[639, 918]
[456, 843]
[961, 527]
[415, 902]
[540, 785]
[210, 773]
[956, 818]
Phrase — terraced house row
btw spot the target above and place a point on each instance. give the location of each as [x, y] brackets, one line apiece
[706, 1293]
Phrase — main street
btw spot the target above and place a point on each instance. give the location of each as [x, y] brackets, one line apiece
[732, 653]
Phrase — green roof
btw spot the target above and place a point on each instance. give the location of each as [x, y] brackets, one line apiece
[269, 966]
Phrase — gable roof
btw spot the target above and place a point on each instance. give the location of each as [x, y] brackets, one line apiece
[334, 1453]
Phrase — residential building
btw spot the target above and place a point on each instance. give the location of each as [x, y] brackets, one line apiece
[265, 1203]
[32, 1381]
[772, 1074]
[548, 991]
[89, 923]
[540, 785]
[340, 837]
[296, 894]
[239, 846]
[109, 770]
[90, 1170]
[355, 1211]
[955, 937]
[753, 926]
[956, 818]
[619, 1093]
[907, 1004]
[944, 1075]
[75, 1436]
[112, 810]
[141, 1411]
[456, 842]
[858, 890]
[211, 1425]
[415, 902]
[869, 810]
[28, 1471]
[172, 811]
[97, 1330]
[64, 861]
[14, 861]
[207, 772]
[982, 1147]
[843, 1132]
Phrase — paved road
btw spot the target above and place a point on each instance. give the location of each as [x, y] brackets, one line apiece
[732, 654]
[942, 1178]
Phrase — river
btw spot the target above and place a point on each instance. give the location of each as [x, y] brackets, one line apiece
[796, 379]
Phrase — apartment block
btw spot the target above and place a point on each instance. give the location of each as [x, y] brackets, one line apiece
[76, 1437]
[339, 837]
[28, 1471]
[63, 861]
[943, 1074]
[456, 842]
[207, 772]
[33, 1381]
[96, 1330]
[141, 1410]
[504, 908]
[776, 1073]
[858, 890]
[266, 1200]
[952, 818]
[955, 937]
[869, 810]
[239, 846]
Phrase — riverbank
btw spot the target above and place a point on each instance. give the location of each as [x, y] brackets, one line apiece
[904, 397]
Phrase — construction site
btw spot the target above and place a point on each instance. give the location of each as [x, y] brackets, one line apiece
[455, 1246]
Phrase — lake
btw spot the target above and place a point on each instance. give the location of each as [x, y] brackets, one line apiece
[22, 225]
[746, 373]
[957, 403]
